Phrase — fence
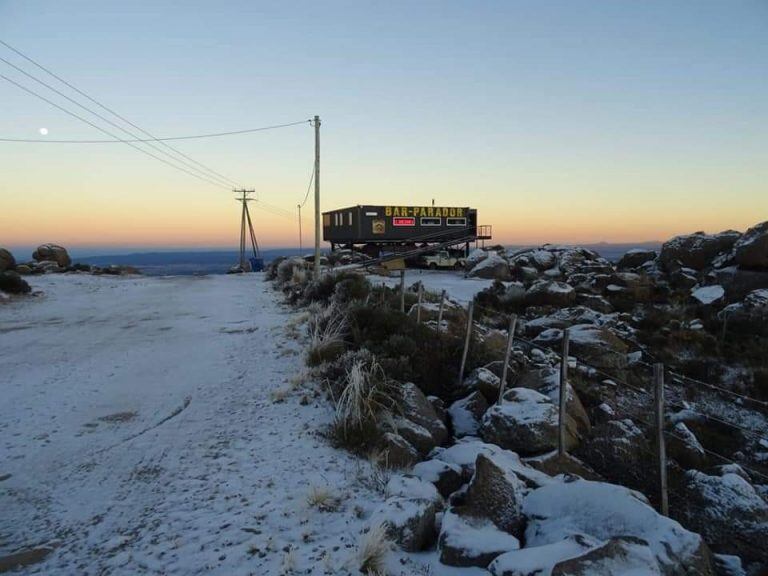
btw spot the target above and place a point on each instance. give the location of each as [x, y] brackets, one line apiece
[657, 398]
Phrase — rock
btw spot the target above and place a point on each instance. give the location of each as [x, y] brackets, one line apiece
[540, 560]
[592, 345]
[564, 318]
[606, 511]
[467, 413]
[683, 279]
[466, 540]
[418, 409]
[483, 381]
[7, 261]
[496, 493]
[52, 253]
[409, 522]
[526, 423]
[748, 316]
[618, 450]
[727, 565]
[439, 406]
[550, 293]
[396, 452]
[685, 449]
[475, 257]
[12, 283]
[547, 381]
[492, 267]
[751, 250]
[24, 269]
[26, 557]
[414, 488]
[594, 302]
[635, 258]
[739, 282]
[446, 477]
[708, 295]
[621, 555]
[696, 250]
[416, 435]
[728, 512]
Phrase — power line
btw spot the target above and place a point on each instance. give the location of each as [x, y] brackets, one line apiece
[309, 187]
[191, 163]
[108, 133]
[168, 139]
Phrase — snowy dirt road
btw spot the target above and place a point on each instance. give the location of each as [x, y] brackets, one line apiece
[144, 429]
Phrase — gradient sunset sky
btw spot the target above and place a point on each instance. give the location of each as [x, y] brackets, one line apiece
[561, 121]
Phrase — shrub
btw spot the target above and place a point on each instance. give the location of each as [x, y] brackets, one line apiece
[326, 335]
[342, 287]
[372, 551]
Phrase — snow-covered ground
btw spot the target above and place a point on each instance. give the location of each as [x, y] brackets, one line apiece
[456, 286]
[149, 425]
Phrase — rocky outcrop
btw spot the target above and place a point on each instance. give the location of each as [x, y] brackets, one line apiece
[7, 261]
[547, 382]
[467, 414]
[526, 422]
[484, 381]
[12, 283]
[494, 267]
[419, 410]
[728, 512]
[620, 555]
[447, 478]
[496, 493]
[467, 540]
[550, 293]
[635, 258]
[397, 452]
[52, 253]
[591, 344]
[751, 250]
[685, 449]
[749, 316]
[410, 522]
[697, 250]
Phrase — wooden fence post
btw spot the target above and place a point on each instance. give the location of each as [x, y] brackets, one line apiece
[658, 380]
[563, 393]
[440, 312]
[402, 290]
[470, 309]
[418, 306]
[510, 337]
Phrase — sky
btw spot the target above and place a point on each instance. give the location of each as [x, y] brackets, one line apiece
[560, 121]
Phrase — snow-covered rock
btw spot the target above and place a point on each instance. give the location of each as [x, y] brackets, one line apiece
[728, 512]
[635, 258]
[591, 344]
[540, 560]
[494, 267]
[484, 381]
[547, 382]
[475, 257]
[496, 493]
[419, 410]
[696, 250]
[467, 413]
[550, 293]
[52, 253]
[623, 555]
[749, 315]
[751, 250]
[605, 511]
[708, 295]
[409, 522]
[684, 448]
[413, 487]
[446, 477]
[467, 540]
[397, 452]
[526, 422]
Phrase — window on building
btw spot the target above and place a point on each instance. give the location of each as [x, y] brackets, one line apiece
[456, 221]
[431, 221]
[349, 218]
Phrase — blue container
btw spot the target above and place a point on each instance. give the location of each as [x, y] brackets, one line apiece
[257, 264]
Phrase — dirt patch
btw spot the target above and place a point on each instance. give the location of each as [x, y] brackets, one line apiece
[24, 558]
[118, 417]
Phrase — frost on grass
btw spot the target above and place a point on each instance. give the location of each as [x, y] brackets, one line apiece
[373, 550]
[323, 498]
[326, 327]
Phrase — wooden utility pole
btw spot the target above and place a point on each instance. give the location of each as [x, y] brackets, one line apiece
[563, 393]
[418, 306]
[440, 310]
[245, 221]
[505, 368]
[658, 380]
[318, 223]
[301, 248]
[470, 309]
[402, 290]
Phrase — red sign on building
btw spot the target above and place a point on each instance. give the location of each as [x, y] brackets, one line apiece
[403, 221]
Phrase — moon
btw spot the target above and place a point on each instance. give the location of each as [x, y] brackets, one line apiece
[43, 131]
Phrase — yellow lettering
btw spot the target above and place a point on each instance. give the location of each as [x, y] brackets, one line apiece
[452, 212]
[388, 211]
[460, 212]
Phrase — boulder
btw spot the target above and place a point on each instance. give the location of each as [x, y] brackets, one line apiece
[607, 511]
[439, 406]
[413, 487]
[7, 261]
[547, 381]
[728, 512]
[409, 522]
[483, 381]
[684, 448]
[748, 316]
[467, 540]
[708, 295]
[416, 435]
[697, 250]
[467, 414]
[52, 253]
[590, 344]
[620, 555]
[475, 257]
[447, 478]
[550, 293]
[496, 493]
[494, 267]
[594, 302]
[739, 282]
[751, 250]
[24, 269]
[12, 283]
[635, 258]
[540, 560]
[526, 422]
[397, 452]
[419, 410]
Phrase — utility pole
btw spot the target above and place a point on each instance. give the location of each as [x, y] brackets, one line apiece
[316, 124]
[301, 249]
[245, 222]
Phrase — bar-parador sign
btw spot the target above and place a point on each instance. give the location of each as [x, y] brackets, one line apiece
[424, 211]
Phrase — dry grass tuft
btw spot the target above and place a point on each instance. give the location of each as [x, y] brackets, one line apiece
[373, 550]
[323, 498]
